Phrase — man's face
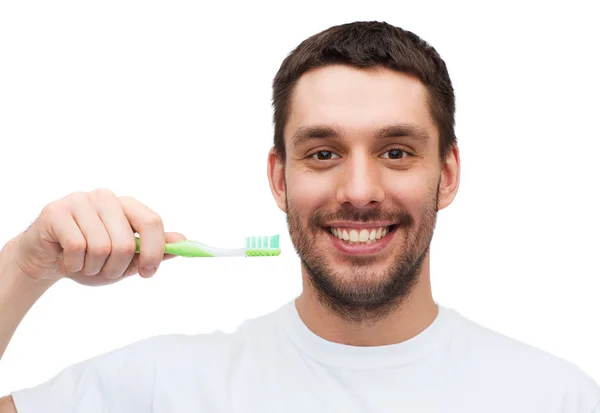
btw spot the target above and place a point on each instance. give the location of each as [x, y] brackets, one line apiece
[362, 174]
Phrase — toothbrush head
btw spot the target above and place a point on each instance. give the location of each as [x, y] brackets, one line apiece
[262, 246]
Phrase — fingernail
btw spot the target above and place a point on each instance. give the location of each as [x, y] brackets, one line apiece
[149, 271]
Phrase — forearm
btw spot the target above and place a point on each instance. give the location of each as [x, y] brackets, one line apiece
[18, 293]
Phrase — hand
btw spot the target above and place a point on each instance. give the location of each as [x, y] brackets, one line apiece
[90, 238]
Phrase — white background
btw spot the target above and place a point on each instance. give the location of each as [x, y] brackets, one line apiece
[169, 102]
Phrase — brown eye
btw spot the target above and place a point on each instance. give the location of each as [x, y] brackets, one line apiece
[395, 154]
[323, 155]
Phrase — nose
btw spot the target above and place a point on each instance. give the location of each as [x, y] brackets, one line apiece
[360, 183]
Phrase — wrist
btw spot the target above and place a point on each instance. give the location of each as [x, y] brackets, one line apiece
[18, 293]
[14, 278]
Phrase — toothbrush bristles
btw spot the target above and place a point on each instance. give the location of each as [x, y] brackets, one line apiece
[262, 242]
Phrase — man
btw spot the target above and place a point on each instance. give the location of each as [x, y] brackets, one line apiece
[364, 156]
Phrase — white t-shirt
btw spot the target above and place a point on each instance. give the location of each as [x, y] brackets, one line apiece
[274, 363]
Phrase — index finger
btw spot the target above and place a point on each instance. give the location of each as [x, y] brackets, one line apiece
[148, 224]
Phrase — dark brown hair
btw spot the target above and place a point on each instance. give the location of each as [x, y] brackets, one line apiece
[366, 45]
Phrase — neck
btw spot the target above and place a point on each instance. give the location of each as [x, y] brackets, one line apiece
[416, 312]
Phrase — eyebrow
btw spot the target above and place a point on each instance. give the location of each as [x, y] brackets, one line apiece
[305, 133]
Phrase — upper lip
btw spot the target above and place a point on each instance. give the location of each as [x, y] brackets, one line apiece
[340, 224]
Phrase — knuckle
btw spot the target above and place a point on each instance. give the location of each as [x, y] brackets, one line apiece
[100, 250]
[124, 248]
[103, 192]
[74, 244]
[78, 198]
[154, 221]
[78, 195]
[52, 209]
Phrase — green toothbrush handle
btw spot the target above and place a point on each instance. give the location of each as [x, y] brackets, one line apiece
[183, 248]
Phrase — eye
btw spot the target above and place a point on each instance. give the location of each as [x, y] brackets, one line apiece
[323, 155]
[395, 154]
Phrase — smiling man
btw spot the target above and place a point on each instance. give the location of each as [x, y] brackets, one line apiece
[364, 157]
[361, 180]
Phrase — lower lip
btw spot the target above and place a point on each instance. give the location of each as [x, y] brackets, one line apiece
[361, 248]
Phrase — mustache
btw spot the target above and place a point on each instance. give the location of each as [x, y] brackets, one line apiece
[400, 218]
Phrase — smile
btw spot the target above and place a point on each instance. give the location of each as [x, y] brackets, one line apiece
[360, 239]
[360, 235]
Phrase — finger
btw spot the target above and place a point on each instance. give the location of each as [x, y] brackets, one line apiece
[149, 226]
[173, 237]
[119, 230]
[62, 228]
[98, 245]
[134, 265]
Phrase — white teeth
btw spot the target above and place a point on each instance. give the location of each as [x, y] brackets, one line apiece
[354, 236]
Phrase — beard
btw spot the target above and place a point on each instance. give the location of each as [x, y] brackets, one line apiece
[359, 294]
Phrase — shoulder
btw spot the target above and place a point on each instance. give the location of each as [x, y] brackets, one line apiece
[520, 364]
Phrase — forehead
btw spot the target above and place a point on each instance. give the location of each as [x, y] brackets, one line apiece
[358, 101]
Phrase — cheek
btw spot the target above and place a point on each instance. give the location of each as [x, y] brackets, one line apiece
[411, 190]
[309, 190]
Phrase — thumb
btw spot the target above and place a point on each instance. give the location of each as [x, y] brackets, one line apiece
[172, 237]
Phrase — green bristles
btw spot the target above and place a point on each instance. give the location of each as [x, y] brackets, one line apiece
[262, 246]
[262, 241]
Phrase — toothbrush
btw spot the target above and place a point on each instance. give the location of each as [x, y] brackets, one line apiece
[258, 246]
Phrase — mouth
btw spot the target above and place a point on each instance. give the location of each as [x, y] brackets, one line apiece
[361, 240]
[353, 236]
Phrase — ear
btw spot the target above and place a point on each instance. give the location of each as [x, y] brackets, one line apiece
[450, 178]
[276, 174]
